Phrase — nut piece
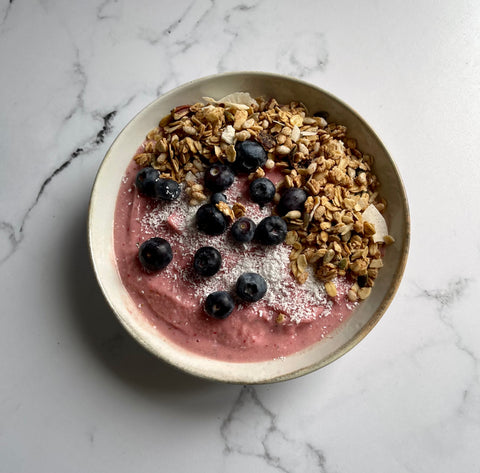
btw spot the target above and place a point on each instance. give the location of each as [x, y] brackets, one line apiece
[226, 210]
[270, 164]
[352, 295]
[388, 239]
[283, 150]
[331, 289]
[368, 229]
[293, 214]
[238, 209]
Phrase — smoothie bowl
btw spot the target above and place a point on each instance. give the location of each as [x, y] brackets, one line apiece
[248, 228]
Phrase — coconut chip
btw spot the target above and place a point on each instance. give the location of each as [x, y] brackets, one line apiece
[228, 135]
[373, 216]
[239, 100]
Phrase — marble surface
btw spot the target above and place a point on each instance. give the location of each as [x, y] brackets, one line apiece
[77, 394]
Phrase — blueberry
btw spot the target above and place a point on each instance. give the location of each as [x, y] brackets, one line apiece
[218, 197]
[243, 229]
[219, 304]
[207, 261]
[323, 114]
[155, 254]
[219, 177]
[362, 280]
[262, 190]
[251, 287]
[166, 189]
[145, 181]
[292, 199]
[250, 156]
[210, 220]
[271, 230]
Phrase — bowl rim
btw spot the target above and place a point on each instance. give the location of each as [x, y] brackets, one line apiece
[340, 351]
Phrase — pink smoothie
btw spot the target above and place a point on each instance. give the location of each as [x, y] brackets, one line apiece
[172, 299]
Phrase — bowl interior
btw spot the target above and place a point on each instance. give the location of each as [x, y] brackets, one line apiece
[284, 89]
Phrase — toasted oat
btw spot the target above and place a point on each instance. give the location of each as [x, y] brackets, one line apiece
[302, 263]
[296, 120]
[243, 135]
[240, 118]
[302, 278]
[144, 159]
[376, 263]
[230, 153]
[364, 292]
[295, 134]
[291, 238]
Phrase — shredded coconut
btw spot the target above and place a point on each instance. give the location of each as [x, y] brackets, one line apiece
[301, 303]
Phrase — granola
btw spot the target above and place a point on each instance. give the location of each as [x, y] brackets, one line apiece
[339, 232]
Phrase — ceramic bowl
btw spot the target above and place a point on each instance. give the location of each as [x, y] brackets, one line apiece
[284, 89]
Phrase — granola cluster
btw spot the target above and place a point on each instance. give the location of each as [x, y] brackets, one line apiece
[330, 235]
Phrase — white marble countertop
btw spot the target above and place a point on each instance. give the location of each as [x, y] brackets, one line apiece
[77, 393]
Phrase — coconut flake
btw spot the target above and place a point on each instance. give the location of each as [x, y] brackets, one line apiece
[239, 100]
[228, 135]
[373, 216]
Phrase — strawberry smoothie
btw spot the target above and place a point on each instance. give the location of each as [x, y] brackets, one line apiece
[289, 318]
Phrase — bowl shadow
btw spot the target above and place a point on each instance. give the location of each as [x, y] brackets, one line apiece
[103, 333]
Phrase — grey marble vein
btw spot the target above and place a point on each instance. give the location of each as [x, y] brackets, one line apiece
[101, 10]
[241, 8]
[15, 236]
[154, 38]
[7, 11]
[299, 58]
[446, 299]
[230, 30]
[80, 74]
[251, 430]
[305, 56]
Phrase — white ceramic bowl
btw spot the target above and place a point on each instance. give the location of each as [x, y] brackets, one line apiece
[284, 89]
